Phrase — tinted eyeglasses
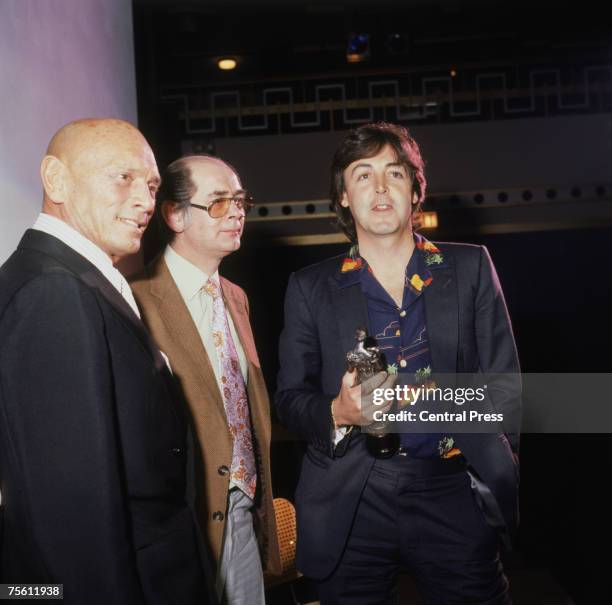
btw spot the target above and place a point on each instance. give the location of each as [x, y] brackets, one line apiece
[219, 207]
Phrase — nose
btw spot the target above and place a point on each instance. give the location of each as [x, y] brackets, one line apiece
[143, 197]
[233, 210]
[381, 185]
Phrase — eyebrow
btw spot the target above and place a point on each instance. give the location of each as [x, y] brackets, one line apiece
[225, 192]
[156, 179]
[366, 165]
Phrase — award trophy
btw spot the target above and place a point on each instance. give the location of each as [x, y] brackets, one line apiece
[367, 360]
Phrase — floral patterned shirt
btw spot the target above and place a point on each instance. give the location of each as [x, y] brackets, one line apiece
[401, 333]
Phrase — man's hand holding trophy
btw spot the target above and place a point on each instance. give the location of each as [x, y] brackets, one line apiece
[354, 406]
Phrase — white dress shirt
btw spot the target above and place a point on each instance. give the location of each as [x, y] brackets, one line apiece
[86, 248]
[190, 281]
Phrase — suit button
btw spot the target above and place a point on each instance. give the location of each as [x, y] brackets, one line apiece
[177, 451]
[217, 516]
[223, 470]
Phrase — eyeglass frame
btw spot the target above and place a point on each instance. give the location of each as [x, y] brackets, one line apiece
[243, 202]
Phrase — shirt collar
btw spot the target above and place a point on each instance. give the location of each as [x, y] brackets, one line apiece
[418, 276]
[432, 256]
[71, 237]
[83, 246]
[189, 279]
[351, 268]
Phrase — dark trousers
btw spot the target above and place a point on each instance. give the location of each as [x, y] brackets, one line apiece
[422, 515]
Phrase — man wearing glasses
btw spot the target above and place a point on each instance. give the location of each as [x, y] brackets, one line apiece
[201, 321]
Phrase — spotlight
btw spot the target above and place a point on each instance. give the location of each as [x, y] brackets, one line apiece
[358, 48]
[227, 64]
[397, 44]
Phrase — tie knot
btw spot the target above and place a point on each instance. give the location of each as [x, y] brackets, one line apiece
[211, 288]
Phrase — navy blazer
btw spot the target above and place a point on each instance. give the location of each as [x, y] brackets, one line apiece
[92, 442]
[469, 331]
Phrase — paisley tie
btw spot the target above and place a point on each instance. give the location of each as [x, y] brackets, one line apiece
[243, 472]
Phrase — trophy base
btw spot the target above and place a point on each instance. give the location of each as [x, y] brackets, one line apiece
[383, 445]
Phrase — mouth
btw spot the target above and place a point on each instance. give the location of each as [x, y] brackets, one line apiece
[138, 225]
[233, 231]
[382, 207]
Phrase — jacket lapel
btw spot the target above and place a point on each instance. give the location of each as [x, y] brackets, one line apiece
[94, 278]
[241, 321]
[175, 314]
[349, 307]
[442, 312]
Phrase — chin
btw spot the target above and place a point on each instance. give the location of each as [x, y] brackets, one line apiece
[385, 229]
[127, 249]
[230, 248]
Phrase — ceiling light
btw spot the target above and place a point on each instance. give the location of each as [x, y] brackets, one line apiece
[226, 64]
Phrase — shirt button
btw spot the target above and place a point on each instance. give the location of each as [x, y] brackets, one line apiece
[402, 313]
[177, 451]
[403, 363]
[223, 470]
[217, 516]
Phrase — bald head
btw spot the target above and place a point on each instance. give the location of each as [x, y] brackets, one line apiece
[100, 177]
[206, 160]
[81, 136]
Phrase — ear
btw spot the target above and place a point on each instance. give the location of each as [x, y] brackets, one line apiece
[344, 200]
[54, 178]
[415, 198]
[173, 216]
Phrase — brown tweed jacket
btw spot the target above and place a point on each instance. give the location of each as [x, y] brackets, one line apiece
[169, 321]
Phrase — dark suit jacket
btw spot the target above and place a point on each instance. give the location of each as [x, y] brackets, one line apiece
[92, 445]
[469, 331]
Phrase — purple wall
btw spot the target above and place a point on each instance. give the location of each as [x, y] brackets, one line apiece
[59, 60]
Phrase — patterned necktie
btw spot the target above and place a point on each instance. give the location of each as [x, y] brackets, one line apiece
[243, 472]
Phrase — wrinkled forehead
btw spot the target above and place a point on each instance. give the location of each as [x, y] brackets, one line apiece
[118, 147]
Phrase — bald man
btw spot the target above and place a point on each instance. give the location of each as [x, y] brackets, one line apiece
[201, 320]
[92, 441]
